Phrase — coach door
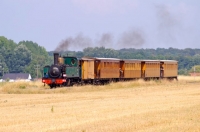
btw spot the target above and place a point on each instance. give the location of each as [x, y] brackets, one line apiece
[88, 69]
[162, 69]
[143, 68]
[122, 69]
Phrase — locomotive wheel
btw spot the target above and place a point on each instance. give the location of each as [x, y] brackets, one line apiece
[51, 86]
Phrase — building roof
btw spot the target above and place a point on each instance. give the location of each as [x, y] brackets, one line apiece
[16, 76]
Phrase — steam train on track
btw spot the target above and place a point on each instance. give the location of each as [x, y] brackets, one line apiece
[68, 70]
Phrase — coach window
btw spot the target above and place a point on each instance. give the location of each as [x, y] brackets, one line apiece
[73, 61]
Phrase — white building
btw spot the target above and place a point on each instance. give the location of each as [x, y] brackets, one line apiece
[12, 77]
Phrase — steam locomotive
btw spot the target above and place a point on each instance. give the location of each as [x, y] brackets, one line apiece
[68, 70]
[64, 72]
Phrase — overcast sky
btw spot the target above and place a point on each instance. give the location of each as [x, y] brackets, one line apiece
[76, 24]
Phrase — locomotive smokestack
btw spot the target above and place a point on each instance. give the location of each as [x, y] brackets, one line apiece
[56, 55]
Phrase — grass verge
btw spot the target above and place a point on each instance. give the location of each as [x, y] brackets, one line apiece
[37, 87]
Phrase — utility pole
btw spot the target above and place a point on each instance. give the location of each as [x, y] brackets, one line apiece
[37, 67]
[2, 71]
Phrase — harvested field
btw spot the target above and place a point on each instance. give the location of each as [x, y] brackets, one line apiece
[118, 107]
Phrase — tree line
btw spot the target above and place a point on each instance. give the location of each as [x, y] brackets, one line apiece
[24, 57]
[27, 56]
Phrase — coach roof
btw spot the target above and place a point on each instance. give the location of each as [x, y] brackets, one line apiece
[131, 60]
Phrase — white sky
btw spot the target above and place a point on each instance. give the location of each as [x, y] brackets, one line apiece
[164, 24]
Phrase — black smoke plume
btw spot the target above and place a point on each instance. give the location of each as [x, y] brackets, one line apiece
[106, 40]
[79, 41]
[132, 39]
[129, 39]
[168, 24]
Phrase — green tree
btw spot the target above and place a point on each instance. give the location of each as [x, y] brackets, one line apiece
[195, 68]
[20, 58]
[39, 58]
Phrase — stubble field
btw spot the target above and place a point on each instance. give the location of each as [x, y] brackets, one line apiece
[118, 107]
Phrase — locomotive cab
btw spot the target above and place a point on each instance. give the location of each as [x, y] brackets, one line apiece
[72, 68]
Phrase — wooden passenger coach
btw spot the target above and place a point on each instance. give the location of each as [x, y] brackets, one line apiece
[150, 69]
[107, 67]
[131, 68]
[116, 69]
[100, 68]
[169, 68]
